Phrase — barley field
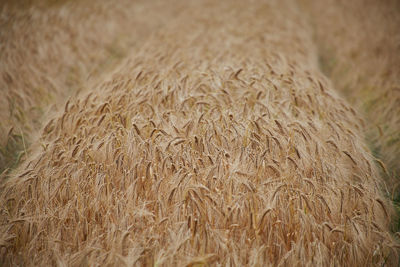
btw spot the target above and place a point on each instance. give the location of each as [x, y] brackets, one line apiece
[199, 133]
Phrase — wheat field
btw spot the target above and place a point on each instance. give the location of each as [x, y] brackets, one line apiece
[197, 133]
[361, 54]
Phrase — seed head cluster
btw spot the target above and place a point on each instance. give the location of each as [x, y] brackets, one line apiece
[216, 141]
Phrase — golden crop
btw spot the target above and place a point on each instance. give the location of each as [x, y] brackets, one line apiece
[206, 133]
